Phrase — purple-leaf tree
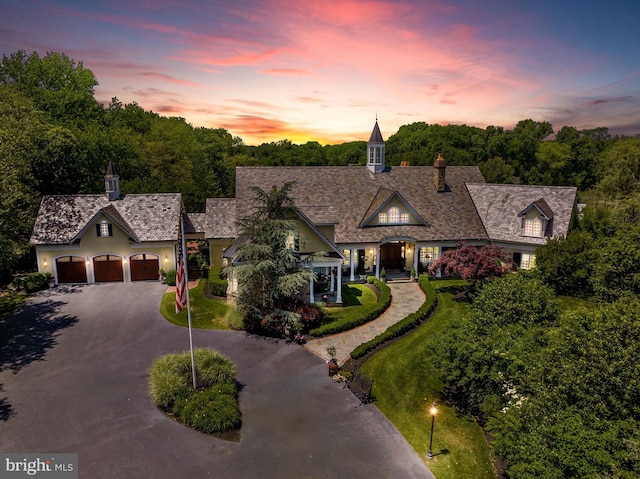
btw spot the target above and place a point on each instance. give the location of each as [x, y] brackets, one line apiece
[472, 263]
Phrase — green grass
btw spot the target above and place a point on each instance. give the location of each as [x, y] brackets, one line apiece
[205, 313]
[406, 384]
[353, 297]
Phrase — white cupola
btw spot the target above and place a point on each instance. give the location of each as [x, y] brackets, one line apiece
[375, 150]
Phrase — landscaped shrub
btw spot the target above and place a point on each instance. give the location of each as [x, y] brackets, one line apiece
[404, 325]
[310, 316]
[170, 278]
[217, 284]
[210, 410]
[364, 314]
[214, 406]
[32, 282]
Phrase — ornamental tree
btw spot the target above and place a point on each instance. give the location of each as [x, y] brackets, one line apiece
[472, 263]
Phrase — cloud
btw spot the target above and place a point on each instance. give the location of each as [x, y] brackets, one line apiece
[284, 71]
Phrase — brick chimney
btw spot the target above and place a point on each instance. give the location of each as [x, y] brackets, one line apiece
[439, 168]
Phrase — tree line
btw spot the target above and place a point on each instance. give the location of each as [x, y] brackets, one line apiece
[56, 138]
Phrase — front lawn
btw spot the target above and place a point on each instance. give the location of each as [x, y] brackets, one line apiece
[206, 313]
[406, 384]
[353, 296]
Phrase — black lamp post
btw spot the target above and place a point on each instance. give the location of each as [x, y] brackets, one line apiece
[434, 410]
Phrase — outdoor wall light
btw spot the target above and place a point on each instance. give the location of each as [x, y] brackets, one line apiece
[44, 263]
[166, 258]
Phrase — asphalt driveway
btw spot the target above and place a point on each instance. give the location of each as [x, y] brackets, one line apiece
[75, 381]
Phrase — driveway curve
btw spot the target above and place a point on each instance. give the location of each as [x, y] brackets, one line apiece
[74, 379]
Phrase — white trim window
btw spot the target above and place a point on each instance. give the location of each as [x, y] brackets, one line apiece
[429, 254]
[528, 261]
[532, 227]
[393, 216]
[104, 229]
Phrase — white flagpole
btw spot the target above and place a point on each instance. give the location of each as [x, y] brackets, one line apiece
[186, 278]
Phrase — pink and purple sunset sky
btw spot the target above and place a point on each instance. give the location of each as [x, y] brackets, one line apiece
[268, 70]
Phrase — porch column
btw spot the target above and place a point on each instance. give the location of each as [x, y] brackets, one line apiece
[311, 295]
[416, 256]
[332, 286]
[339, 294]
[378, 261]
[352, 272]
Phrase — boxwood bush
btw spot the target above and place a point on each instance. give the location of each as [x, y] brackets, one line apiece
[213, 407]
[170, 277]
[404, 325]
[217, 284]
[364, 314]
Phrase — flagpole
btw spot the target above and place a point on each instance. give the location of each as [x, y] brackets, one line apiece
[186, 277]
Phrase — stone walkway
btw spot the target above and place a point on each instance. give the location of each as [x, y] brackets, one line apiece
[406, 297]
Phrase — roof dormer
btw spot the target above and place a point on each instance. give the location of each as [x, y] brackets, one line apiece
[537, 219]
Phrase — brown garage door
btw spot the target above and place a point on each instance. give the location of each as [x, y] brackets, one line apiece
[71, 269]
[144, 267]
[108, 268]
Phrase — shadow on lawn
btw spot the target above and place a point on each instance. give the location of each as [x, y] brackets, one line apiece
[26, 336]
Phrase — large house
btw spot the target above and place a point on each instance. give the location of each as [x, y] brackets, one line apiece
[372, 217]
[364, 218]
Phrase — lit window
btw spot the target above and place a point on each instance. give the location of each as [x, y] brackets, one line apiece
[383, 218]
[528, 261]
[394, 215]
[404, 217]
[347, 256]
[533, 227]
[104, 229]
[429, 254]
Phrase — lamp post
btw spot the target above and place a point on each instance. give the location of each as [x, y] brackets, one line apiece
[434, 410]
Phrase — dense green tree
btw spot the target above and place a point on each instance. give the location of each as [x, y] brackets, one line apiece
[486, 358]
[566, 264]
[57, 84]
[621, 167]
[617, 269]
[270, 274]
[21, 125]
[496, 170]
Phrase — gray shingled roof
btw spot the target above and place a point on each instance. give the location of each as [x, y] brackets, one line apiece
[500, 205]
[347, 193]
[221, 218]
[153, 217]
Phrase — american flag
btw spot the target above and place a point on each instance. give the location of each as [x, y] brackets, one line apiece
[181, 279]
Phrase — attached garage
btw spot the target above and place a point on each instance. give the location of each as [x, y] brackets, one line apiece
[144, 267]
[71, 269]
[108, 268]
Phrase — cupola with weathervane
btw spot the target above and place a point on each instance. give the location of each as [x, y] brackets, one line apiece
[112, 182]
[375, 150]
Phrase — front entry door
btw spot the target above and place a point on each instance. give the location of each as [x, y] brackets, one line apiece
[391, 256]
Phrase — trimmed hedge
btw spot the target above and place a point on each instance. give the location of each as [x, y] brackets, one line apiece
[368, 313]
[213, 408]
[406, 324]
[217, 284]
[32, 282]
[170, 277]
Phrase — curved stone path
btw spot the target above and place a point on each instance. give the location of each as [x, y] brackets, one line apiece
[406, 298]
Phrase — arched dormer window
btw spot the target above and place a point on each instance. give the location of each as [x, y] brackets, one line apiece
[393, 216]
